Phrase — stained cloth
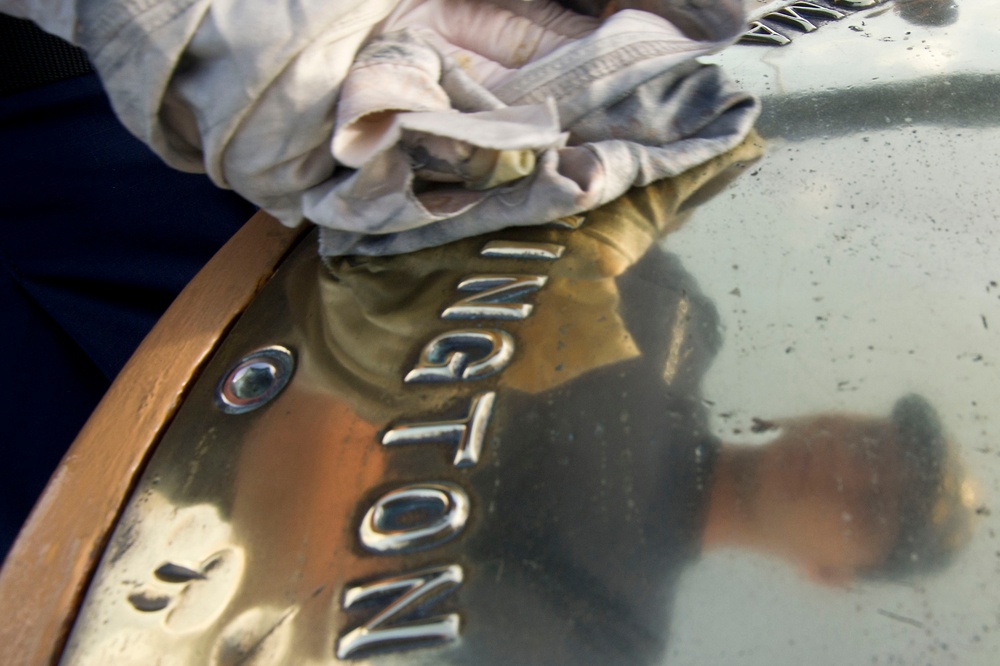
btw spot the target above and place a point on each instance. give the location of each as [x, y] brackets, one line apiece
[624, 105]
[541, 112]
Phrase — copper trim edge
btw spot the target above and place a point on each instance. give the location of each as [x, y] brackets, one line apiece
[50, 565]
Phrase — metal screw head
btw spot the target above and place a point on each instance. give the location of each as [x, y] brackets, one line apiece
[255, 380]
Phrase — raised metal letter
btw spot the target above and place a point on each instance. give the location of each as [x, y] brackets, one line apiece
[795, 14]
[415, 517]
[463, 355]
[388, 629]
[522, 250]
[494, 301]
[762, 33]
[467, 433]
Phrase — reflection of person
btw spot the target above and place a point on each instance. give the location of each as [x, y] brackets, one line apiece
[608, 486]
[602, 480]
[844, 496]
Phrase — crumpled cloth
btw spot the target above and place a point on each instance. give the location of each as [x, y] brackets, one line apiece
[439, 156]
[264, 97]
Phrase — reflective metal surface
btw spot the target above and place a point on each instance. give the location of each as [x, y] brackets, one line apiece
[741, 417]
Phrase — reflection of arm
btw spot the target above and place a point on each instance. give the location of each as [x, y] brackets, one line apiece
[372, 314]
[625, 228]
[955, 100]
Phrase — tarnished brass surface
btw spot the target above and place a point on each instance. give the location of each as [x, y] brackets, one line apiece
[740, 417]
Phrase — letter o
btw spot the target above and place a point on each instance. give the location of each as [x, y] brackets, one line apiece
[415, 517]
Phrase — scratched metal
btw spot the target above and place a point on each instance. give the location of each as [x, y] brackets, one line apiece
[531, 478]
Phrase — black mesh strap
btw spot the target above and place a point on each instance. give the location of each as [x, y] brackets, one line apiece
[30, 57]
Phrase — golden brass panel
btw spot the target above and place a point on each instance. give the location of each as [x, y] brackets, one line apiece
[747, 418]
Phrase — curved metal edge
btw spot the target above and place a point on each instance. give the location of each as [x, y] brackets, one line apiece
[47, 571]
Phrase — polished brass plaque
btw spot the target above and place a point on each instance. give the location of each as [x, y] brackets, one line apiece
[744, 416]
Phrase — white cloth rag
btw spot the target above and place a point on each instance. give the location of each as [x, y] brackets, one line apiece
[438, 155]
[399, 124]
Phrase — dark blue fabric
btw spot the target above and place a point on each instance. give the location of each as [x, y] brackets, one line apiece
[98, 237]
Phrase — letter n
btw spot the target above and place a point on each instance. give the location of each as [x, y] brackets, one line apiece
[390, 627]
[495, 298]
